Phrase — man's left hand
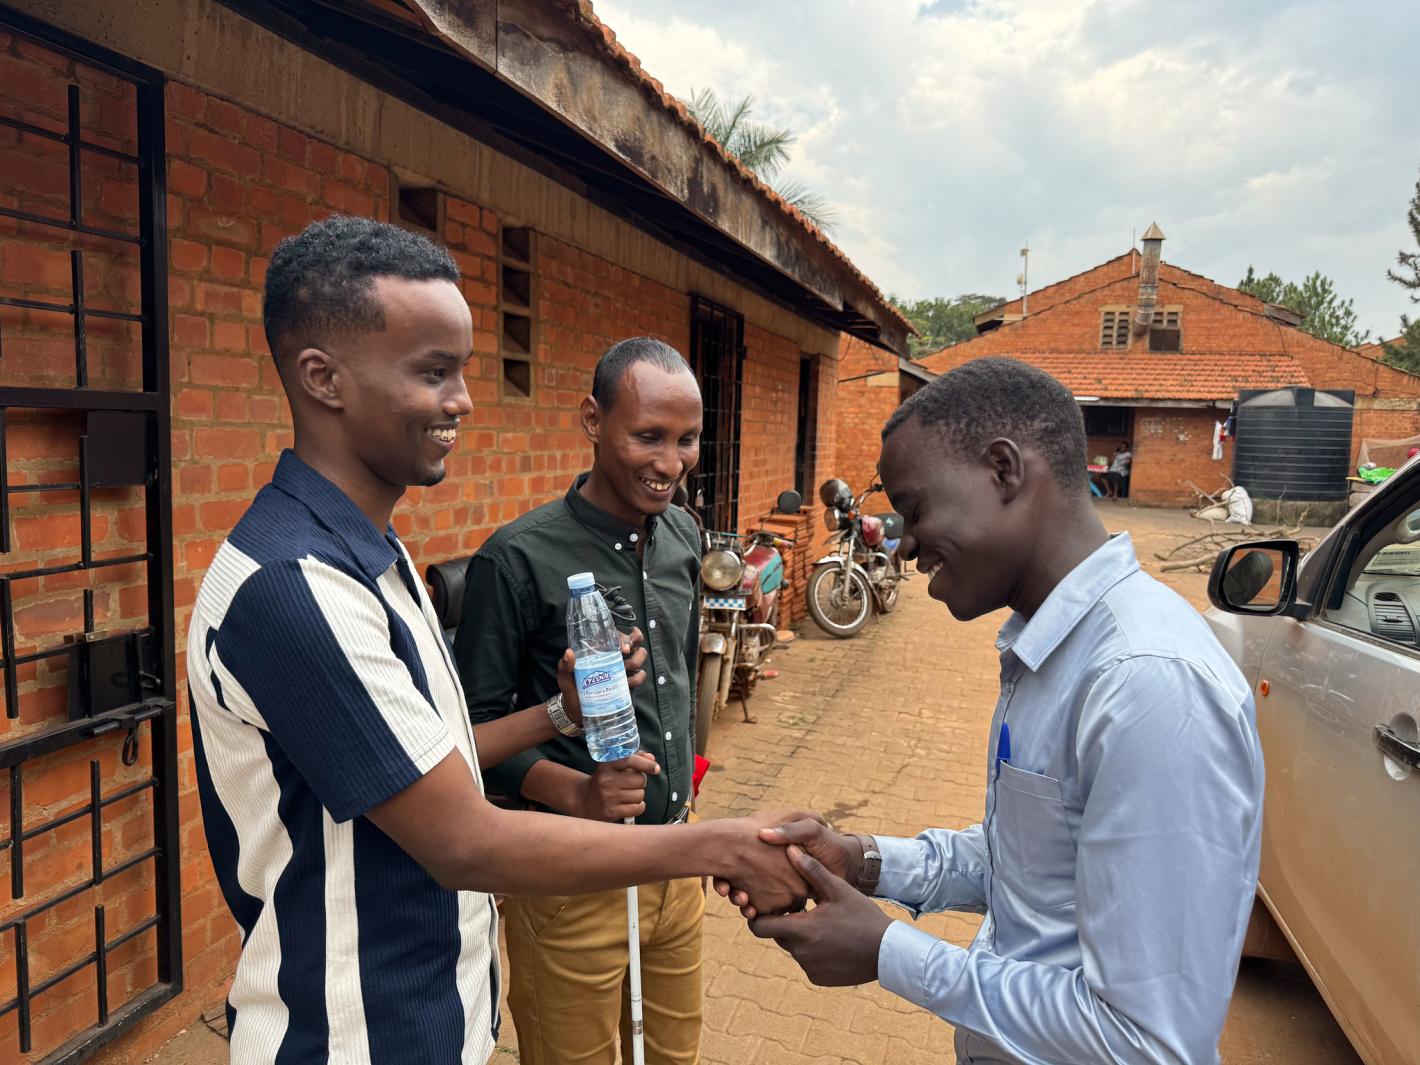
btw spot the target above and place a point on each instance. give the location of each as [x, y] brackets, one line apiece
[836, 943]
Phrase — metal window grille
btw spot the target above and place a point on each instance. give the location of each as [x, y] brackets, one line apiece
[717, 355]
[120, 684]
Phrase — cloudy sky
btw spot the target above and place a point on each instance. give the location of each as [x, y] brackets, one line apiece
[949, 133]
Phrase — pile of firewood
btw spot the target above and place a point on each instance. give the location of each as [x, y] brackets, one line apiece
[1200, 552]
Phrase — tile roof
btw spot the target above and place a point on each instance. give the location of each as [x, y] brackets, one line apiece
[603, 37]
[1166, 377]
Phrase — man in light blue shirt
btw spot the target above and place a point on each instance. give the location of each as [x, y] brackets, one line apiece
[1117, 859]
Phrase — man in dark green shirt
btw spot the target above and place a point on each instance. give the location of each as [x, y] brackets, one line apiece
[568, 955]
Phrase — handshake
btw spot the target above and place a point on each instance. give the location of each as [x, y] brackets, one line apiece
[789, 858]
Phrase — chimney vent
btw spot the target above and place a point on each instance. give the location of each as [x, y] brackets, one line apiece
[1149, 279]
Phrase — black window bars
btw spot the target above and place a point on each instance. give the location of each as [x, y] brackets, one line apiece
[717, 355]
[117, 683]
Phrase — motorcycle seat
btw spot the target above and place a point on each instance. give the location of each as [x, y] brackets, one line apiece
[892, 525]
[446, 584]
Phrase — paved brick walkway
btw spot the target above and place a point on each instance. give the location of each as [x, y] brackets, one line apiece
[887, 732]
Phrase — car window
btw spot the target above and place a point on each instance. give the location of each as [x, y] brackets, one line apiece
[1379, 593]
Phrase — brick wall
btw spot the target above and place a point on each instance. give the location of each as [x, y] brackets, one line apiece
[868, 393]
[1172, 446]
[238, 182]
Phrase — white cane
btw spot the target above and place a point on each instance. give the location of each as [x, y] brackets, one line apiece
[633, 939]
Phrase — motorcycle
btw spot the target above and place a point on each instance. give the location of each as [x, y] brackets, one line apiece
[742, 579]
[863, 574]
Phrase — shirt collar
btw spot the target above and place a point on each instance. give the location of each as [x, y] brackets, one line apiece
[600, 521]
[373, 552]
[1033, 640]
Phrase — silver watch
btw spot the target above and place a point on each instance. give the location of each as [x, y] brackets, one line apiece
[560, 721]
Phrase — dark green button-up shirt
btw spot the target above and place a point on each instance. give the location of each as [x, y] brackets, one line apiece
[514, 630]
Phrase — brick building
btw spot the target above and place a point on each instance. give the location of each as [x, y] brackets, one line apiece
[1163, 379]
[871, 384]
[140, 408]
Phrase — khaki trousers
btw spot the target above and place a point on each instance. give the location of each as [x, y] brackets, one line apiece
[568, 987]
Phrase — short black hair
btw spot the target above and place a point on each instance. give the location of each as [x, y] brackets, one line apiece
[995, 397]
[321, 281]
[624, 354]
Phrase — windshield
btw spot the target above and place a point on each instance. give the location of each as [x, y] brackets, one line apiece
[1398, 560]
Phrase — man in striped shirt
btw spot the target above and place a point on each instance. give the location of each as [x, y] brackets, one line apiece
[338, 770]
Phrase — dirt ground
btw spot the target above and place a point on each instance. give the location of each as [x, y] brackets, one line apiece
[886, 732]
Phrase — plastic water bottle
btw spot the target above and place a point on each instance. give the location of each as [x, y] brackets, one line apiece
[607, 712]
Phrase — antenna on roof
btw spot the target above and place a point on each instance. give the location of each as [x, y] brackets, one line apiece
[1024, 281]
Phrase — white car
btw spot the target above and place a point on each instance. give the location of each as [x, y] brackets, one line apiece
[1332, 649]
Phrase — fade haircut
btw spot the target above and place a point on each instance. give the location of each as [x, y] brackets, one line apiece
[322, 281]
[985, 399]
[624, 354]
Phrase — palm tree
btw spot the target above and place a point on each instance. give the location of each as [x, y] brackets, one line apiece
[763, 149]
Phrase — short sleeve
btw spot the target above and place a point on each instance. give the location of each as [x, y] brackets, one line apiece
[304, 653]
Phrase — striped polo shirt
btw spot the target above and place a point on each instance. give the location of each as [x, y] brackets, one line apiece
[321, 687]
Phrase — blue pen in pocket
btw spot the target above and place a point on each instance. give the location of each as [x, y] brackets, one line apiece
[1003, 746]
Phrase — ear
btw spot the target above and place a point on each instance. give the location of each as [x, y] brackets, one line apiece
[319, 377]
[1008, 467]
[591, 418]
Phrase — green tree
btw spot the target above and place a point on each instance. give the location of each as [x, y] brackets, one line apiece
[1324, 313]
[1404, 351]
[942, 320]
[761, 148]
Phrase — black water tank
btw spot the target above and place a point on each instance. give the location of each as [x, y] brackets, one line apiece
[1294, 443]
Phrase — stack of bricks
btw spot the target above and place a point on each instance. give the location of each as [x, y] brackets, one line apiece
[798, 560]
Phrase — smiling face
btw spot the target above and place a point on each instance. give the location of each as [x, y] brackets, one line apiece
[648, 440]
[964, 523]
[401, 389]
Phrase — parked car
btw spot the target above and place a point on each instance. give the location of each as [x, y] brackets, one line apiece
[1330, 646]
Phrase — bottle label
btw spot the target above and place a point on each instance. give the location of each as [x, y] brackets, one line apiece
[601, 684]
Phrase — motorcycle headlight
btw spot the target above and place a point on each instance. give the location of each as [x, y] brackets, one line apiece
[832, 519]
[721, 570]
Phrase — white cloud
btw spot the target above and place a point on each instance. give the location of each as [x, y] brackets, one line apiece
[947, 134]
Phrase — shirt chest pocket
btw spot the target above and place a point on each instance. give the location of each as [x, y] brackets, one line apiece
[1034, 851]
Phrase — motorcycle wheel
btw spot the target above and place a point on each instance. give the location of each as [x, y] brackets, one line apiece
[839, 606]
[891, 586]
[706, 692]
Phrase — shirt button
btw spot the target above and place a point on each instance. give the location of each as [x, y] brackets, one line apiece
[668, 735]
[618, 547]
[674, 796]
[634, 538]
[653, 623]
[661, 679]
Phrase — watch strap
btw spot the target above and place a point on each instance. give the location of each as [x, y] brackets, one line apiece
[872, 867]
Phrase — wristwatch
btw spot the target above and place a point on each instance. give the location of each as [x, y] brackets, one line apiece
[560, 721]
[872, 866]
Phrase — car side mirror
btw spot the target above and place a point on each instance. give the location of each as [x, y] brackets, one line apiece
[1257, 578]
[789, 502]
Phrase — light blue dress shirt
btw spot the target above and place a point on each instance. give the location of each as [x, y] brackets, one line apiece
[1117, 861]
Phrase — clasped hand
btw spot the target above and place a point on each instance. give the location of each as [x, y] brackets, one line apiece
[836, 942]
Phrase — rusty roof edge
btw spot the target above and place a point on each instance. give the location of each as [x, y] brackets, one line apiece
[516, 41]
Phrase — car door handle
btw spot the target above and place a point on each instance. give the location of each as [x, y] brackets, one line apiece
[1404, 751]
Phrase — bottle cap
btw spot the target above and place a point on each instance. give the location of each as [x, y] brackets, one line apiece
[579, 581]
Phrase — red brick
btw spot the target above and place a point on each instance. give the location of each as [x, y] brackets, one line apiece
[231, 407]
[226, 443]
[291, 144]
[194, 404]
[232, 370]
[191, 331]
[228, 194]
[218, 299]
[222, 226]
[224, 154]
[194, 480]
[187, 256]
[225, 117]
[234, 477]
[220, 516]
[184, 100]
[186, 179]
[229, 336]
